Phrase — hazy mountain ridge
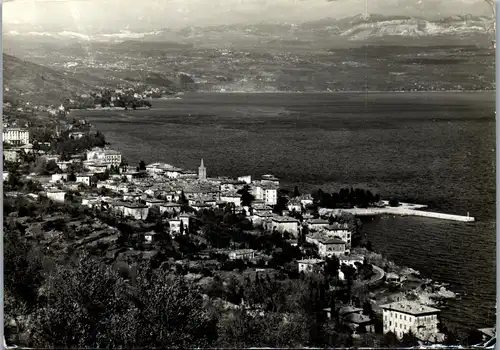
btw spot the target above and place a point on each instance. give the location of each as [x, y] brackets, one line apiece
[354, 28]
[28, 81]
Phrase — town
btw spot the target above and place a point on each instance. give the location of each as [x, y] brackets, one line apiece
[237, 239]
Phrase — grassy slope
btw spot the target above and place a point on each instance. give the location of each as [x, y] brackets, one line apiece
[28, 81]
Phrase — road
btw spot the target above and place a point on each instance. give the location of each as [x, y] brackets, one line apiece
[379, 274]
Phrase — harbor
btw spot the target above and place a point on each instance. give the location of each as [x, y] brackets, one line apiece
[404, 209]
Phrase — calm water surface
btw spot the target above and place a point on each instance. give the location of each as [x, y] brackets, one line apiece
[432, 148]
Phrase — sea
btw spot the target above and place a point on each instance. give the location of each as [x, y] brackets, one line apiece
[431, 148]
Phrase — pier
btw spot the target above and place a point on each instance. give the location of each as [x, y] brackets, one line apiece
[404, 209]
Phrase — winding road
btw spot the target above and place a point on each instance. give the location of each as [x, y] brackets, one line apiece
[379, 274]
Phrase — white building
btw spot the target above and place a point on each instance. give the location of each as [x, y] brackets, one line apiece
[11, 155]
[258, 218]
[351, 260]
[311, 265]
[244, 254]
[337, 231]
[154, 202]
[317, 224]
[170, 207]
[401, 317]
[137, 211]
[16, 136]
[59, 177]
[85, 179]
[105, 156]
[246, 179]
[327, 246]
[231, 198]
[285, 224]
[270, 180]
[63, 165]
[270, 195]
[149, 236]
[56, 195]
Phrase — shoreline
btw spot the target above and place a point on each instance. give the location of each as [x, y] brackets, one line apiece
[409, 283]
[404, 209]
[339, 92]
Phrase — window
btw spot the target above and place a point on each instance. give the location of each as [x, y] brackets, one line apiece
[390, 323]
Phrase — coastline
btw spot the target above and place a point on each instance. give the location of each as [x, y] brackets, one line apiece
[408, 93]
[408, 287]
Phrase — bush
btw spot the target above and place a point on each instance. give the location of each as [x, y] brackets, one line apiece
[394, 202]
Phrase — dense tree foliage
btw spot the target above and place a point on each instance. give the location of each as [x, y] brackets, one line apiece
[246, 197]
[67, 146]
[345, 198]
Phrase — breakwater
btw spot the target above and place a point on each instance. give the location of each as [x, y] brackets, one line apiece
[404, 209]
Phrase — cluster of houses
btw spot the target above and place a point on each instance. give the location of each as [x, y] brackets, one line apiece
[159, 187]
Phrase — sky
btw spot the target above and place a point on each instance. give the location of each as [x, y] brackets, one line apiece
[145, 15]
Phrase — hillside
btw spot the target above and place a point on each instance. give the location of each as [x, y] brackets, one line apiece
[26, 81]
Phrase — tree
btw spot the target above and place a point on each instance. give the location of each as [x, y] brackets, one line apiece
[13, 181]
[332, 267]
[390, 340]
[80, 302]
[23, 269]
[394, 202]
[182, 199]
[296, 192]
[142, 165]
[167, 312]
[280, 205]
[246, 197]
[409, 340]
[331, 219]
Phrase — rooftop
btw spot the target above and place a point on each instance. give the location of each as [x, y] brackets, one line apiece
[346, 310]
[284, 219]
[337, 226]
[134, 206]
[318, 221]
[154, 200]
[170, 205]
[410, 307]
[331, 241]
[352, 258]
[357, 318]
[243, 251]
[311, 261]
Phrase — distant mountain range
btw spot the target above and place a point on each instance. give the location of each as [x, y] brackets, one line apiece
[359, 27]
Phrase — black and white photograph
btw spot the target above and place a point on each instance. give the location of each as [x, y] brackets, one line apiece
[249, 174]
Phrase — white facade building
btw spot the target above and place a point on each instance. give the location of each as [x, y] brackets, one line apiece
[246, 179]
[56, 195]
[311, 265]
[231, 198]
[401, 317]
[137, 211]
[244, 254]
[105, 156]
[270, 195]
[16, 136]
[341, 233]
[59, 177]
[282, 224]
[84, 179]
